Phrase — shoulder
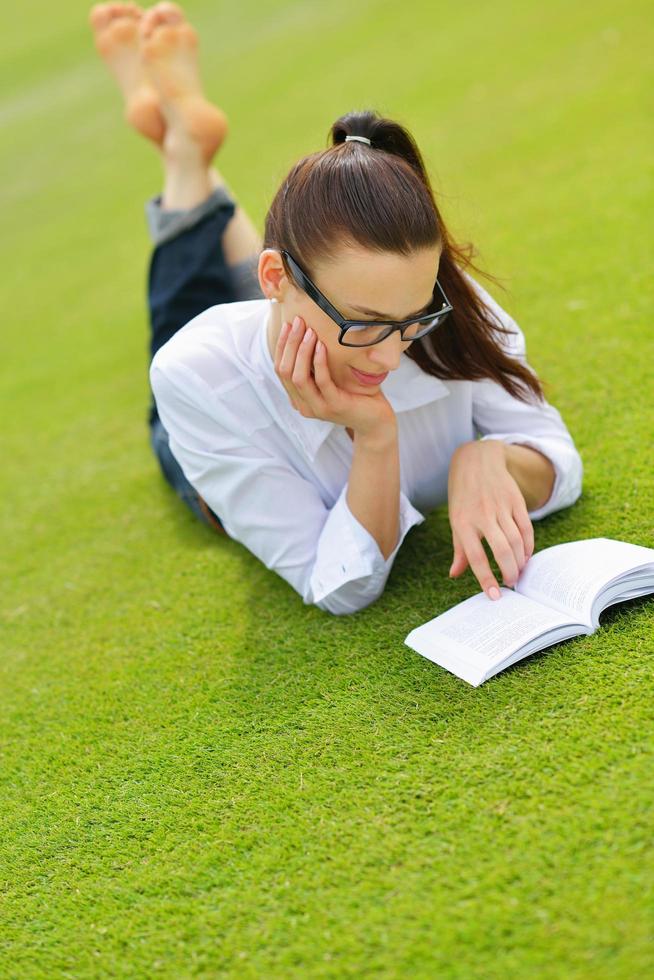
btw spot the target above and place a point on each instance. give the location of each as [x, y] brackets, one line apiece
[212, 365]
[218, 345]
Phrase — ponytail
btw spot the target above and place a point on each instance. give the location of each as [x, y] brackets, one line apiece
[384, 134]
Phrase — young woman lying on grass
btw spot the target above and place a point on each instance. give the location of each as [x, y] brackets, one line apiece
[315, 394]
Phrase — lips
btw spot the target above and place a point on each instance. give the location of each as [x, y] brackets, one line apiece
[369, 379]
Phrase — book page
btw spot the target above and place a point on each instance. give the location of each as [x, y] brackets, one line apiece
[478, 634]
[570, 576]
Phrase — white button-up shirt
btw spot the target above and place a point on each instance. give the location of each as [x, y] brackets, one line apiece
[278, 480]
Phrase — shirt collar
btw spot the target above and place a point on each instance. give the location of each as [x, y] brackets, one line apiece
[406, 388]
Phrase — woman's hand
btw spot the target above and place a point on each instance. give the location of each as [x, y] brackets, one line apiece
[484, 501]
[301, 365]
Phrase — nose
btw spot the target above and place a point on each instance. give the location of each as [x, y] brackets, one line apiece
[385, 356]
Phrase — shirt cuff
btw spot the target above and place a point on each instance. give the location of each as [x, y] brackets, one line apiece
[567, 469]
[347, 552]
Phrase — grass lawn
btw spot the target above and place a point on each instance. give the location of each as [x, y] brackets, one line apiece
[199, 775]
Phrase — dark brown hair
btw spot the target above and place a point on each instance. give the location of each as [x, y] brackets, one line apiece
[380, 197]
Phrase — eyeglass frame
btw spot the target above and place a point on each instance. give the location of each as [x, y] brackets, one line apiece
[344, 324]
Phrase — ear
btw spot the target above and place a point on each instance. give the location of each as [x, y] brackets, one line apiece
[272, 275]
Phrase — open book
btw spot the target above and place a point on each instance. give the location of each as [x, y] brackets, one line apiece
[560, 593]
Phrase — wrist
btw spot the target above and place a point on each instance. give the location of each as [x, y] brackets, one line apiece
[379, 439]
[497, 447]
[503, 450]
[506, 452]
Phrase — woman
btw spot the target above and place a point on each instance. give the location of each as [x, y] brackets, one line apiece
[314, 397]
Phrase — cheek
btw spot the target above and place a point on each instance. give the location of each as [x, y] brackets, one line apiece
[338, 358]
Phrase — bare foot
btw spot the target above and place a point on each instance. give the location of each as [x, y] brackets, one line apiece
[116, 30]
[169, 52]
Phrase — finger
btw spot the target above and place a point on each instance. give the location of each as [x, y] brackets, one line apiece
[459, 562]
[280, 349]
[322, 374]
[281, 343]
[503, 554]
[476, 556]
[287, 360]
[301, 376]
[286, 354]
[526, 528]
[514, 537]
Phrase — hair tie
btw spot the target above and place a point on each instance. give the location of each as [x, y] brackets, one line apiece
[362, 139]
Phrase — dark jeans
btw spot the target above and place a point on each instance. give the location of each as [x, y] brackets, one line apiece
[187, 274]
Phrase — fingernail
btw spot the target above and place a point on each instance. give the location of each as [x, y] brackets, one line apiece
[307, 336]
[494, 593]
[296, 324]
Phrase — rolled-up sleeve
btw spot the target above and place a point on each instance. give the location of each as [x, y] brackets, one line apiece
[350, 571]
[324, 553]
[537, 424]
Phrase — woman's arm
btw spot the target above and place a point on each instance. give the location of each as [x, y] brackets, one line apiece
[373, 493]
[325, 553]
[532, 471]
[524, 466]
[373, 489]
[538, 443]
[485, 501]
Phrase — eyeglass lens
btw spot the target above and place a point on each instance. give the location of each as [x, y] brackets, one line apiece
[362, 336]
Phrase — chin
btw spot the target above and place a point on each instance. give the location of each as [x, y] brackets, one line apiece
[357, 389]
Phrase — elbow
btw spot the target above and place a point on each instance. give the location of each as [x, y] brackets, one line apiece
[574, 482]
[337, 607]
[568, 486]
[571, 483]
[334, 609]
[327, 589]
[342, 604]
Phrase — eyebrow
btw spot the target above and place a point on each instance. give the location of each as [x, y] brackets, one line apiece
[385, 316]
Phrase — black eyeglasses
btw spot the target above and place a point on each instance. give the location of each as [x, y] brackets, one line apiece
[365, 333]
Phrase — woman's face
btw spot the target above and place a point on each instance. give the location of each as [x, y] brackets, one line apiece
[363, 285]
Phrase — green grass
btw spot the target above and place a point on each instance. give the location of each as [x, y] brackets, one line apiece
[200, 776]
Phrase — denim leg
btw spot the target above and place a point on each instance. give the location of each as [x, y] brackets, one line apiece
[187, 274]
[173, 474]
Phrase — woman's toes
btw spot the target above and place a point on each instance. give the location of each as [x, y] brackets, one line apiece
[166, 39]
[121, 9]
[170, 10]
[158, 41]
[188, 35]
[146, 24]
[99, 16]
[161, 13]
[102, 15]
[117, 10]
[123, 31]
